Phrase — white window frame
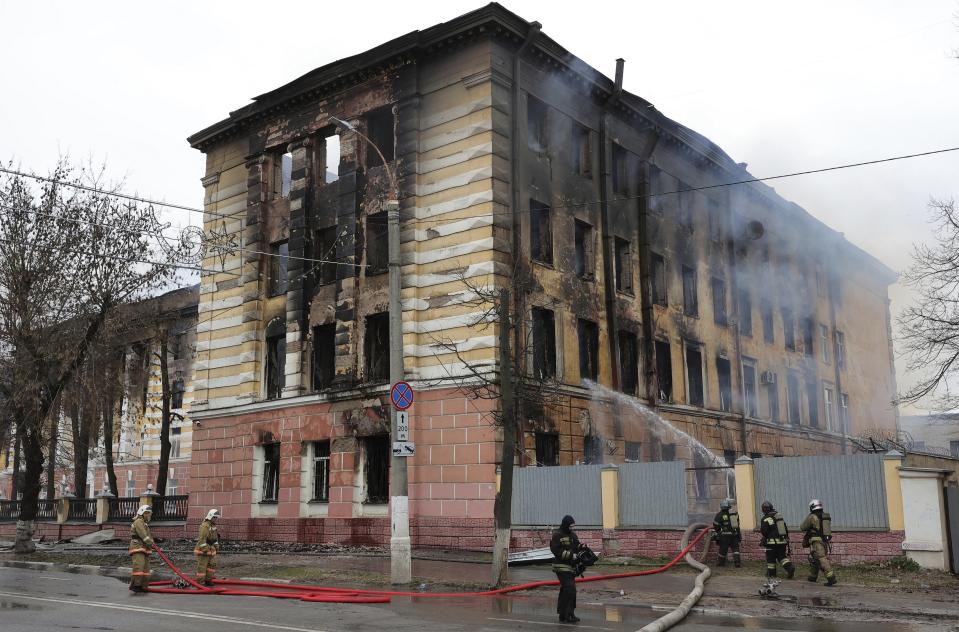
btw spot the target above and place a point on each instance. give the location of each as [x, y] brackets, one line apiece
[754, 365]
[840, 339]
[131, 486]
[828, 399]
[824, 343]
[844, 412]
[176, 442]
[172, 485]
[259, 509]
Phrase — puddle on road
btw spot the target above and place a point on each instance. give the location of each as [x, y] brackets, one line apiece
[15, 605]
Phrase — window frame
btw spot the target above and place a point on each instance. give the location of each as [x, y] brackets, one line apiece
[541, 221]
[543, 325]
[542, 441]
[324, 358]
[698, 348]
[589, 368]
[582, 150]
[270, 491]
[690, 292]
[720, 302]
[537, 117]
[279, 280]
[623, 266]
[584, 247]
[275, 365]
[320, 464]
[376, 352]
[658, 279]
[377, 244]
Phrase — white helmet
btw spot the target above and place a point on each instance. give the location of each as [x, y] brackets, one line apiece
[213, 514]
[144, 509]
[815, 505]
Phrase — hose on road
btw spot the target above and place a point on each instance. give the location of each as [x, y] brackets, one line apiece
[672, 618]
[351, 595]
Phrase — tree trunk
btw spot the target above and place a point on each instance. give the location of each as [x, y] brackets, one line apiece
[108, 443]
[165, 417]
[33, 453]
[502, 510]
[52, 454]
[16, 484]
[81, 449]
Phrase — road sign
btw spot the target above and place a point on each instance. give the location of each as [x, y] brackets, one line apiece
[404, 448]
[401, 395]
[402, 425]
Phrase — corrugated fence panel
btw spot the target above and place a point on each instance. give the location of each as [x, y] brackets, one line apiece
[652, 494]
[543, 495]
[852, 488]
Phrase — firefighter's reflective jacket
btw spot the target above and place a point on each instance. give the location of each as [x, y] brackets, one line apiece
[564, 545]
[816, 528]
[773, 529]
[208, 541]
[140, 539]
[726, 523]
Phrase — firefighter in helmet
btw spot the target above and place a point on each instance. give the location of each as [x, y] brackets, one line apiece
[141, 544]
[726, 531]
[818, 533]
[565, 548]
[775, 539]
[207, 547]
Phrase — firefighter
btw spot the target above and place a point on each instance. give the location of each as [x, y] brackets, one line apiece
[207, 547]
[726, 528]
[565, 547]
[141, 544]
[818, 533]
[775, 539]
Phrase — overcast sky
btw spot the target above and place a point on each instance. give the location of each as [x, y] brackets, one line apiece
[783, 88]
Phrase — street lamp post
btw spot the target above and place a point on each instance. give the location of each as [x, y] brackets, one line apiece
[400, 561]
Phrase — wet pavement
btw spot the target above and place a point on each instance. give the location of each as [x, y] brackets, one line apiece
[52, 600]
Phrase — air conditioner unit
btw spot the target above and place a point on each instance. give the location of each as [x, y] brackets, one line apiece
[768, 377]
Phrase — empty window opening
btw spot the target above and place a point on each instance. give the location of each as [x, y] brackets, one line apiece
[377, 347]
[324, 356]
[582, 158]
[685, 200]
[789, 329]
[724, 373]
[766, 313]
[321, 471]
[620, 170]
[271, 472]
[749, 386]
[624, 268]
[547, 449]
[812, 401]
[275, 361]
[584, 249]
[324, 251]
[654, 190]
[588, 334]
[540, 232]
[664, 371]
[634, 451]
[331, 162]
[377, 244]
[279, 266]
[694, 375]
[690, 295]
[770, 382]
[668, 452]
[544, 343]
[628, 363]
[536, 116]
[282, 175]
[745, 313]
[792, 399]
[702, 485]
[377, 469]
[719, 301]
[715, 221]
[840, 349]
[659, 279]
[380, 127]
[592, 449]
[176, 394]
[829, 415]
[807, 336]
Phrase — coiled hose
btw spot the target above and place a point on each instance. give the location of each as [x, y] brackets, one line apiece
[672, 618]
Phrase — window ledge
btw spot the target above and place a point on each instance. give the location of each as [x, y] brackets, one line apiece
[269, 502]
[314, 501]
[628, 293]
[543, 264]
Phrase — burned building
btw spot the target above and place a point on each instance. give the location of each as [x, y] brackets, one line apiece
[637, 276]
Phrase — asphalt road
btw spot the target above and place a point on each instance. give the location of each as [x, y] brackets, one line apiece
[47, 600]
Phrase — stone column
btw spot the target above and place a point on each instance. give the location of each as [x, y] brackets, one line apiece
[745, 493]
[924, 516]
[890, 471]
[103, 505]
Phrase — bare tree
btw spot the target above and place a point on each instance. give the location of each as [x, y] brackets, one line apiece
[69, 255]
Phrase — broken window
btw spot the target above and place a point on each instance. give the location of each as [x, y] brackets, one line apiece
[377, 469]
[749, 386]
[719, 301]
[840, 349]
[540, 232]
[179, 346]
[715, 220]
[536, 113]
[324, 356]
[772, 394]
[380, 128]
[654, 190]
[766, 313]
[592, 450]
[664, 370]
[829, 415]
[547, 449]
[668, 452]
[792, 399]
[271, 472]
[324, 251]
[690, 296]
[321, 471]
[176, 393]
[745, 313]
[628, 363]
[620, 171]
[377, 347]
[581, 151]
[812, 401]
[659, 279]
[377, 244]
[824, 343]
[279, 264]
[694, 375]
[685, 200]
[544, 344]
[624, 267]
[789, 329]
[699, 468]
[724, 372]
[634, 452]
[584, 249]
[807, 336]
[588, 334]
[275, 360]
[282, 175]
[331, 159]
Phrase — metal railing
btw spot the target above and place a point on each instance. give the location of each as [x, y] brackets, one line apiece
[9, 510]
[170, 508]
[123, 508]
[46, 509]
[83, 510]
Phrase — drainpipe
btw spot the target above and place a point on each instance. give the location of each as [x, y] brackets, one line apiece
[516, 301]
[606, 222]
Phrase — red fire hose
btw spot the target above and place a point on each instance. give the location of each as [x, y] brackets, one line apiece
[351, 595]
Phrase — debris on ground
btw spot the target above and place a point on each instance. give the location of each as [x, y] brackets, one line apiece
[95, 537]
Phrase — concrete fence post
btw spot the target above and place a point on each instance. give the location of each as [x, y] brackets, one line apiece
[609, 479]
[745, 493]
[63, 508]
[926, 540]
[146, 498]
[103, 505]
[891, 462]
